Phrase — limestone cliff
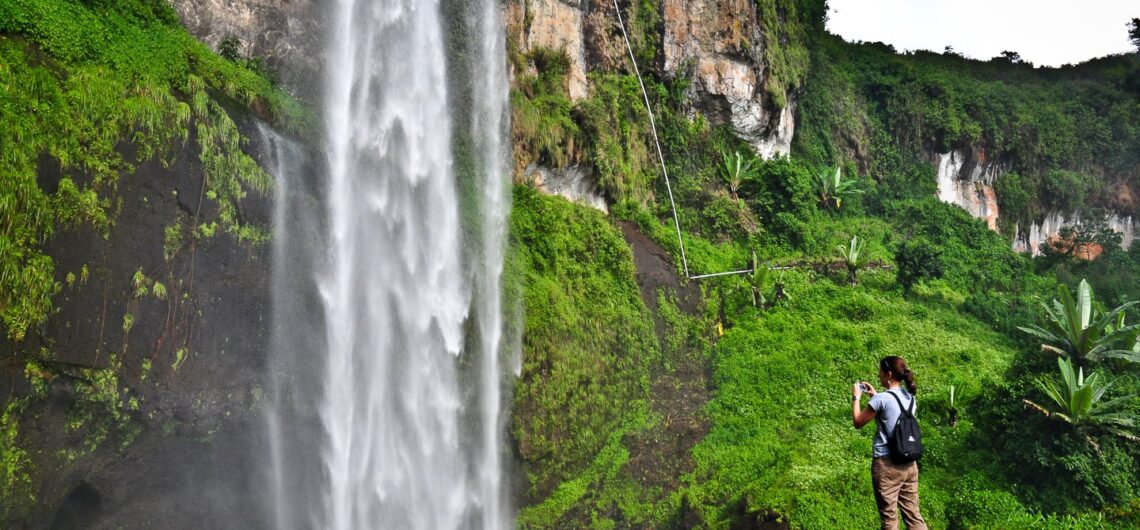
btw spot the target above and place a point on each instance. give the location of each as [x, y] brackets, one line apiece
[966, 179]
[719, 46]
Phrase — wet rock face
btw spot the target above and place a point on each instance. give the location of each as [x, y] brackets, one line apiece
[286, 35]
[188, 365]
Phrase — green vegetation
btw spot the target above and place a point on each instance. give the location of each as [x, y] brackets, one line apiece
[853, 258]
[950, 295]
[833, 189]
[15, 481]
[781, 437]
[1080, 401]
[1082, 330]
[790, 28]
[587, 336]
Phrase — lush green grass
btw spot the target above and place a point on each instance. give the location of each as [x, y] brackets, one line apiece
[782, 437]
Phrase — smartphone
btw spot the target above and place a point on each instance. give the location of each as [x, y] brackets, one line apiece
[865, 386]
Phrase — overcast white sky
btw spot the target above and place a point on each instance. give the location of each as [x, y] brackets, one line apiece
[1044, 32]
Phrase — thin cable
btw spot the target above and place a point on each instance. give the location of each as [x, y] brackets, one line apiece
[747, 271]
[653, 127]
[744, 271]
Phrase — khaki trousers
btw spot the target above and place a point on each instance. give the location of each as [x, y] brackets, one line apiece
[896, 486]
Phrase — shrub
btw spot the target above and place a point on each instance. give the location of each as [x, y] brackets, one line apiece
[917, 260]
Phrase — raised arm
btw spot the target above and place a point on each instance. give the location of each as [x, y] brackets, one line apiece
[860, 417]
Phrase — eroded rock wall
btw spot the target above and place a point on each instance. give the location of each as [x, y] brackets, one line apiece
[966, 179]
[717, 44]
[287, 36]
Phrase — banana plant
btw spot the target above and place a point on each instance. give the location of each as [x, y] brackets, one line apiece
[756, 280]
[1082, 331]
[737, 169]
[953, 409]
[853, 258]
[833, 188]
[1080, 402]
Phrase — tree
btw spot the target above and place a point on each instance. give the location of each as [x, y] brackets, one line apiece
[230, 48]
[1134, 33]
[1083, 331]
[853, 258]
[1011, 56]
[737, 169]
[833, 189]
[1081, 403]
[917, 260]
[1087, 240]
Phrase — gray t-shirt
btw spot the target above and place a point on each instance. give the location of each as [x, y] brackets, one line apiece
[887, 412]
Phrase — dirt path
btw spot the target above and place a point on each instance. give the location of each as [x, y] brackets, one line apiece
[680, 390]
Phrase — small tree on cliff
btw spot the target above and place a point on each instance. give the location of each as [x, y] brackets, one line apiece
[737, 169]
[1134, 33]
[833, 188]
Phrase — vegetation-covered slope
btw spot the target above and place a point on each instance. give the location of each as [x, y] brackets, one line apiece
[106, 110]
[1067, 134]
[942, 290]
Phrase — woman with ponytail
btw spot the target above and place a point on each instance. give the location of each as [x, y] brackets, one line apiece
[896, 485]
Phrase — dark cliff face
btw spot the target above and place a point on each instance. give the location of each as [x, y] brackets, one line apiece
[154, 392]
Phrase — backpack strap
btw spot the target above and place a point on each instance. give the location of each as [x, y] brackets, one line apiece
[908, 410]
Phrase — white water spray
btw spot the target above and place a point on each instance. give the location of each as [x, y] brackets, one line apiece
[408, 401]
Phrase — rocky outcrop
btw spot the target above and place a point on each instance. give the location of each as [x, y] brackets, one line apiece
[1039, 234]
[287, 36]
[966, 178]
[572, 183]
[555, 25]
[719, 46]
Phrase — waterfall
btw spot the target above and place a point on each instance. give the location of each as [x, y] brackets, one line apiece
[489, 130]
[391, 414]
[293, 433]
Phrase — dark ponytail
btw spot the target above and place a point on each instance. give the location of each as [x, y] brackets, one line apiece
[896, 366]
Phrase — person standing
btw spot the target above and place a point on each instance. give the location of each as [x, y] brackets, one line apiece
[896, 485]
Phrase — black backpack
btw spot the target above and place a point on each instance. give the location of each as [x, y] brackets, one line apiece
[905, 444]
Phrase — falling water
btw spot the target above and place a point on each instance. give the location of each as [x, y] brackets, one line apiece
[489, 130]
[408, 397]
